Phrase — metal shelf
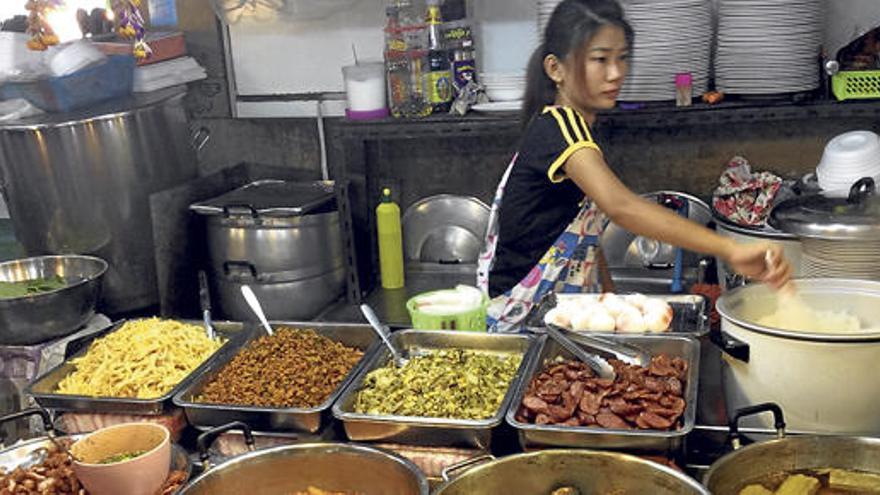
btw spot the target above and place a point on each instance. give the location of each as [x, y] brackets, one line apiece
[651, 116]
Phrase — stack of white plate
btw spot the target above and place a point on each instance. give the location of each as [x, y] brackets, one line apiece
[672, 37]
[545, 9]
[847, 158]
[504, 86]
[841, 259]
[768, 46]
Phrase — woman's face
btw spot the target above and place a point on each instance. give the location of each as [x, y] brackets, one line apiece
[602, 71]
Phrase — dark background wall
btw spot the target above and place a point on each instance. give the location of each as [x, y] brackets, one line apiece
[679, 157]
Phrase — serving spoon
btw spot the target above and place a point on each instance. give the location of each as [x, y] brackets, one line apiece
[254, 303]
[385, 334]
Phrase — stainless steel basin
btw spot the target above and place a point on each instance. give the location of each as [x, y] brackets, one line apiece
[36, 318]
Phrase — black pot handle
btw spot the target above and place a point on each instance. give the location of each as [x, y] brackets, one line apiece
[206, 439]
[862, 188]
[731, 345]
[33, 411]
[778, 420]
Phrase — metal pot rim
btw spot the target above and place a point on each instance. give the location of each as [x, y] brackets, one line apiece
[734, 456]
[578, 452]
[330, 447]
[830, 283]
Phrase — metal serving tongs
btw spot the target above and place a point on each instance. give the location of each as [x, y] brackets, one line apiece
[596, 363]
[385, 334]
[205, 303]
[575, 342]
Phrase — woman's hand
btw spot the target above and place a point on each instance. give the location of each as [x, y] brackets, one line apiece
[763, 262]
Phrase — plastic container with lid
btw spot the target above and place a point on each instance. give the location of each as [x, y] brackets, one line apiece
[365, 90]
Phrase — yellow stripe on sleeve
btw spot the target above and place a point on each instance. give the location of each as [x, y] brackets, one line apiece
[574, 124]
[562, 127]
[585, 127]
[561, 159]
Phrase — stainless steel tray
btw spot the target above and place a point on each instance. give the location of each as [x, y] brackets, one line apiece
[43, 389]
[201, 414]
[642, 441]
[432, 431]
[690, 312]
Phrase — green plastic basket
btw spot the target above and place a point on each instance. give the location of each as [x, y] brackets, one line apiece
[856, 84]
[474, 320]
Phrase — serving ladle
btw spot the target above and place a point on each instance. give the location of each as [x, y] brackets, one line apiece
[385, 334]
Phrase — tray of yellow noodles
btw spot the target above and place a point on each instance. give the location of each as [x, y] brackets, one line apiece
[134, 366]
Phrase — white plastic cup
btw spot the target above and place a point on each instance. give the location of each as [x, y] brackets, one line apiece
[365, 86]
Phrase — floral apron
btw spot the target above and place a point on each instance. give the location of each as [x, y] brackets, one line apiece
[567, 266]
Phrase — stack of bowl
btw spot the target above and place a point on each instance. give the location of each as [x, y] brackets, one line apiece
[504, 86]
[847, 158]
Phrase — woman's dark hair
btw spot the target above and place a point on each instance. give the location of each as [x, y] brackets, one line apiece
[572, 25]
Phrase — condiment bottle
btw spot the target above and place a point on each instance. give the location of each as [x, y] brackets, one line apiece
[683, 89]
[438, 77]
[390, 242]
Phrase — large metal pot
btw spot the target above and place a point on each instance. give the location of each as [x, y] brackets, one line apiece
[80, 183]
[593, 472]
[36, 318]
[282, 238]
[328, 466]
[760, 461]
[824, 381]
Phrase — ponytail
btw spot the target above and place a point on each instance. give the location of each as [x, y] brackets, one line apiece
[540, 89]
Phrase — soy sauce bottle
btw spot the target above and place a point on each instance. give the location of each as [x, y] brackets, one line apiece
[439, 90]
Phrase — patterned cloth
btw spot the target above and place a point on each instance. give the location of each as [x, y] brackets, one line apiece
[744, 197]
[567, 266]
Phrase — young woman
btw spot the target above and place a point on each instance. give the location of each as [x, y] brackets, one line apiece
[558, 193]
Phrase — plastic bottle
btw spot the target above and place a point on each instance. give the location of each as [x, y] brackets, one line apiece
[390, 242]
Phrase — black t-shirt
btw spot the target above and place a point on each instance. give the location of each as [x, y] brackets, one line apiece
[539, 202]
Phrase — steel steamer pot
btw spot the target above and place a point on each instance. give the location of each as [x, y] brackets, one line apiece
[287, 469]
[593, 472]
[826, 382]
[281, 238]
[760, 461]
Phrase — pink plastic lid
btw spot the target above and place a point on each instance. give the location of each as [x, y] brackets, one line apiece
[683, 79]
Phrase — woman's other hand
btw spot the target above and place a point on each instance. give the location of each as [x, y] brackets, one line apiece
[763, 262]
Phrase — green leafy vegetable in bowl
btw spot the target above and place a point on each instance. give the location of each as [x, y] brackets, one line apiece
[10, 290]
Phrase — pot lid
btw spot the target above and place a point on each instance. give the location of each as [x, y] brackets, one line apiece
[269, 198]
[832, 215]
